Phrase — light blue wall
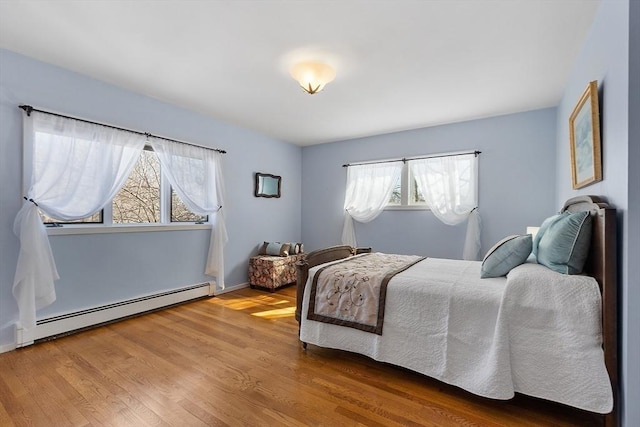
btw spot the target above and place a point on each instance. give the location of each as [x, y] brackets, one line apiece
[605, 58]
[101, 268]
[517, 184]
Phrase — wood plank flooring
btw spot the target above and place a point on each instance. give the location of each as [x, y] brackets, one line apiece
[234, 360]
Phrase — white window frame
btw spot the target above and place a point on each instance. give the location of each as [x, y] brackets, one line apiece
[107, 225]
[406, 188]
[406, 184]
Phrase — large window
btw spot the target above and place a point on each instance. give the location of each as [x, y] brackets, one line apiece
[146, 198]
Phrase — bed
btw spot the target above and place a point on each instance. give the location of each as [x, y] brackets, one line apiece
[535, 332]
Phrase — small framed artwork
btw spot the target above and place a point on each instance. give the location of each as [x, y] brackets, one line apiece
[584, 132]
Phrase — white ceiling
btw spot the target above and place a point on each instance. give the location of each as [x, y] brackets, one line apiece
[400, 64]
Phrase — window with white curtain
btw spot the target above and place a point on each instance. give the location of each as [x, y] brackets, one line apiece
[407, 193]
[449, 184]
[74, 168]
[446, 184]
[145, 198]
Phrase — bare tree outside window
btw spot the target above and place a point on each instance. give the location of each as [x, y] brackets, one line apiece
[96, 218]
[180, 212]
[396, 194]
[139, 200]
[416, 194]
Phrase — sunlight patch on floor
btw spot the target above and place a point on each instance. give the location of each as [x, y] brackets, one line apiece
[277, 313]
[244, 303]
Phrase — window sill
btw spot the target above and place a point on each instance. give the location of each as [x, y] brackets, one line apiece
[407, 208]
[137, 228]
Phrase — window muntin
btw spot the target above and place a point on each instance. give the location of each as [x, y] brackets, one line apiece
[406, 194]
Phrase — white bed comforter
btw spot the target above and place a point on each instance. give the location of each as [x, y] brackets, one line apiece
[536, 332]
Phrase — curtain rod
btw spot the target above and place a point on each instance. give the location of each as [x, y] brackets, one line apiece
[28, 109]
[405, 159]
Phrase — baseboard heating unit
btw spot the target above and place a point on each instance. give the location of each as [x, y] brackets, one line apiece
[78, 320]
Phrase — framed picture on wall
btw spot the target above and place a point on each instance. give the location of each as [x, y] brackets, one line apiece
[584, 130]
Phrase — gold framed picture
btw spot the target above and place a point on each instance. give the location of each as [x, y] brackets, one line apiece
[584, 130]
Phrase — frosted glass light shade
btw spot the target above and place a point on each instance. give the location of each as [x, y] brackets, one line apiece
[312, 76]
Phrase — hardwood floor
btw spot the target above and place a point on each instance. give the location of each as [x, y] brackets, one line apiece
[234, 360]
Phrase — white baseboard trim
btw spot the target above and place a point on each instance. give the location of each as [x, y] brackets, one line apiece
[7, 347]
[231, 288]
[81, 319]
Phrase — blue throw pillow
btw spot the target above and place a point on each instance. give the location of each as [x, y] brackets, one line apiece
[508, 253]
[278, 249]
[564, 247]
[275, 249]
[543, 229]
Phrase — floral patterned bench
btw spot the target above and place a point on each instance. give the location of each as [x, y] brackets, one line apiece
[272, 272]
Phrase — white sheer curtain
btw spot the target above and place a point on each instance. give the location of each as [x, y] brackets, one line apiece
[449, 186]
[369, 187]
[77, 169]
[195, 173]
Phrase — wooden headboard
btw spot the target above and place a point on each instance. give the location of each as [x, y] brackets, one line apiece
[602, 265]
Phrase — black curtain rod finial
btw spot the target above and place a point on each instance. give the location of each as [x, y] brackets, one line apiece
[27, 108]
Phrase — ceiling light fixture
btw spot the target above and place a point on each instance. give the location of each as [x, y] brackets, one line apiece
[312, 76]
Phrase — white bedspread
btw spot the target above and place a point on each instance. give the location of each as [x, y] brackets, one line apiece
[536, 332]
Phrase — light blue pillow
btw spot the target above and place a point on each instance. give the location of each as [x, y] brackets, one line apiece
[275, 249]
[508, 253]
[543, 229]
[564, 247]
[278, 249]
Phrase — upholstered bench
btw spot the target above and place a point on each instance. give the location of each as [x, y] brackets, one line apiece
[273, 272]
